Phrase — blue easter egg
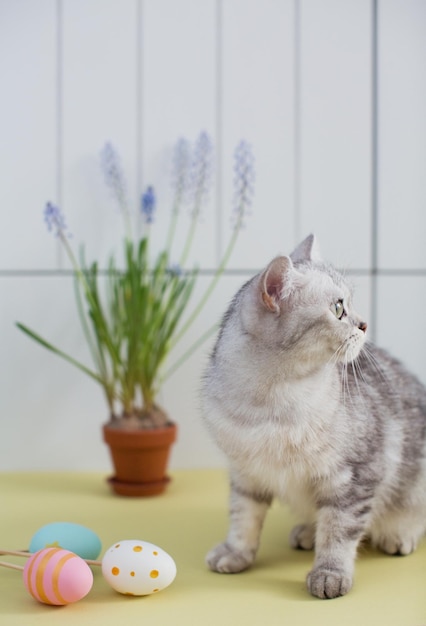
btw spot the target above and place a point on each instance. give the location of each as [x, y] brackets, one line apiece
[73, 537]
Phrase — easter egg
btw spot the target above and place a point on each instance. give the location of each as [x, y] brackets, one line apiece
[73, 537]
[56, 576]
[138, 568]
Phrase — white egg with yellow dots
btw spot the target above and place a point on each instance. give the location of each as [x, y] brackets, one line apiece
[138, 568]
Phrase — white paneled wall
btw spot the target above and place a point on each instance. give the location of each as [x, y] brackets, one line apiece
[257, 102]
[28, 130]
[402, 134]
[336, 127]
[330, 93]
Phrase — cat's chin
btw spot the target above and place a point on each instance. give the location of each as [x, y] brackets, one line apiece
[352, 347]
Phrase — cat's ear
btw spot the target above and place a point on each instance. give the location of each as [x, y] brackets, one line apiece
[307, 250]
[275, 282]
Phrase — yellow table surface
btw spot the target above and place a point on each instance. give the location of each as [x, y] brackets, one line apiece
[186, 521]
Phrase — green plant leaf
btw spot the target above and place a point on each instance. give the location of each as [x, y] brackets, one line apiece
[58, 352]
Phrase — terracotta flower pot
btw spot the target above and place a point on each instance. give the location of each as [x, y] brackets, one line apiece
[140, 459]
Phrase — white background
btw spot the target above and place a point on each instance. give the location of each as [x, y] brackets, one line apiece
[331, 94]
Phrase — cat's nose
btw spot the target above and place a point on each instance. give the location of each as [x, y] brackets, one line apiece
[363, 326]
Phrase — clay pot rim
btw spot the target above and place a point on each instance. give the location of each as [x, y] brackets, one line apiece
[149, 437]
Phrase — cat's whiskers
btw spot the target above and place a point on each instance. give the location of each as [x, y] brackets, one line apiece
[368, 354]
[357, 374]
[339, 356]
[357, 367]
[347, 382]
[335, 357]
[345, 389]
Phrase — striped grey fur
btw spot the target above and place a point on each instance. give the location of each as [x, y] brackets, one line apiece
[309, 412]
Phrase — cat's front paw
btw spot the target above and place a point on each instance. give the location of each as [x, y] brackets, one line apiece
[226, 560]
[328, 584]
[302, 537]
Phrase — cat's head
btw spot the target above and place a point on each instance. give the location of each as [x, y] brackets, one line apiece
[303, 306]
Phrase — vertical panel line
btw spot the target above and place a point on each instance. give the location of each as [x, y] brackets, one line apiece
[297, 121]
[374, 168]
[59, 121]
[139, 107]
[219, 130]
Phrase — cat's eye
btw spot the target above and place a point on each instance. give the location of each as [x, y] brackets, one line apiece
[338, 309]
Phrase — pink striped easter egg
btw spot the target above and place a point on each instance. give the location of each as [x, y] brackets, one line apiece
[56, 576]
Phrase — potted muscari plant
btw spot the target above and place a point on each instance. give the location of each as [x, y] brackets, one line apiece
[133, 327]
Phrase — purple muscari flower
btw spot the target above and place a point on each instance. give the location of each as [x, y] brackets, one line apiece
[54, 219]
[244, 176]
[113, 173]
[148, 202]
[180, 168]
[201, 168]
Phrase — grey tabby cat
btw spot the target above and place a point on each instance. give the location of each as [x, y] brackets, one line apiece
[308, 412]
